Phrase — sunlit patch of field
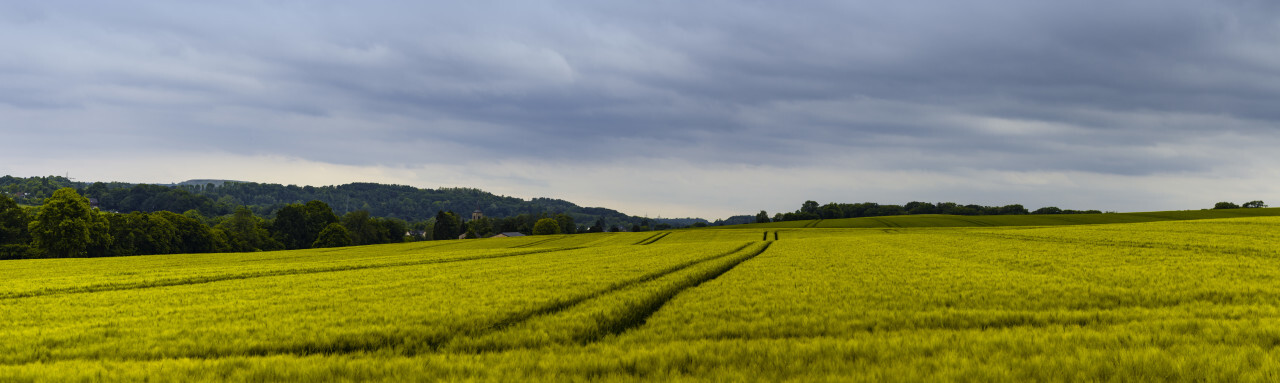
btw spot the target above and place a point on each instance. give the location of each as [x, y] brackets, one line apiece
[1171, 300]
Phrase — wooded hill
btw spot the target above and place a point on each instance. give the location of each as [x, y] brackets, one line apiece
[221, 197]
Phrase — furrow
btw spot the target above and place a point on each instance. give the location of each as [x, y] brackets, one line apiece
[641, 311]
[658, 238]
[646, 239]
[565, 304]
[536, 243]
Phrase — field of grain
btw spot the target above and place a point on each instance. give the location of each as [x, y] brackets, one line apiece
[1171, 300]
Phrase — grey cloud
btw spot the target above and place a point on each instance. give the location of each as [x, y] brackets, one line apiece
[780, 83]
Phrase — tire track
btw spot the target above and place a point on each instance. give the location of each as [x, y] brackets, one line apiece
[536, 243]
[646, 239]
[558, 306]
[416, 342]
[640, 314]
[655, 239]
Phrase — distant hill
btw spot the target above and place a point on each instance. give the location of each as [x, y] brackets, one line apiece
[220, 197]
[204, 183]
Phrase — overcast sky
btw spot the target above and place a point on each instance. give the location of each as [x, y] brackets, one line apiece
[660, 108]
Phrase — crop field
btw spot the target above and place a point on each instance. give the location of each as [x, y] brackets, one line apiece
[1104, 299]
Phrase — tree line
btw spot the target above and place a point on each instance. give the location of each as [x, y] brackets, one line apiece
[1246, 205]
[218, 198]
[812, 210]
[66, 225]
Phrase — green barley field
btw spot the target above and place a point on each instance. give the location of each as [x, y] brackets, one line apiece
[1172, 296]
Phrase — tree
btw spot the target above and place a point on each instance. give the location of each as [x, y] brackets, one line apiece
[290, 227]
[1225, 205]
[762, 217]
[245, 232]
[194, 236]
[15, 235]
[597, 227]
[480, 228]
[334, 235]
[566, 224]
[364, 230]
[917, 207]
[297, 225]
[1012, 210]
[448, 226]
[809, 207]
[546, 226]
[394, 230]
[67, 227]
[1254, 204]
[1048, 210]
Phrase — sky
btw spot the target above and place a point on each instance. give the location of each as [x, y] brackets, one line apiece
[660, 108]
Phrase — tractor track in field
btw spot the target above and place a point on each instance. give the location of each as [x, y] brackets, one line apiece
[885, 223]
[536, 243]
[654, 238]
[251, 275]
[412, 345]
[646, 239]
[638, 317]
[639, 311]
[562, 305]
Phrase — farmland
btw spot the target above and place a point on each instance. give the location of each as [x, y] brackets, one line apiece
[1160, 296]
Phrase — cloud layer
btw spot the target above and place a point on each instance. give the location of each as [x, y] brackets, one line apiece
[1092, 98]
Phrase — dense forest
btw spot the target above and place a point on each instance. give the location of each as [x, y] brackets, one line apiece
[213, 198]
[67, 225]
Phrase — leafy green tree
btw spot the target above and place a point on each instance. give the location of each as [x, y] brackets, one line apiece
[67, 227]
[297, 225]
[1012, 210]
[334, 235]
[762, 217]
[246, 232]
[15, 237]
[158, 236]
[364, 229]
[290, 227]
[480, 228]
[597, 227]
[194, 236]
[1254, 205]
[566, 224]
[917, 207]
[1048, 210]
[394, 229]
[1225, 205]
[809, 207]
[447, 226]
[546, 226]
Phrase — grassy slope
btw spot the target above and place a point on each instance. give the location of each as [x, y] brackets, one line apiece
[1153, 301]
[937, 220]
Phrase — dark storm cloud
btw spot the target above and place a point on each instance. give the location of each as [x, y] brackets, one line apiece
[1090, 86]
